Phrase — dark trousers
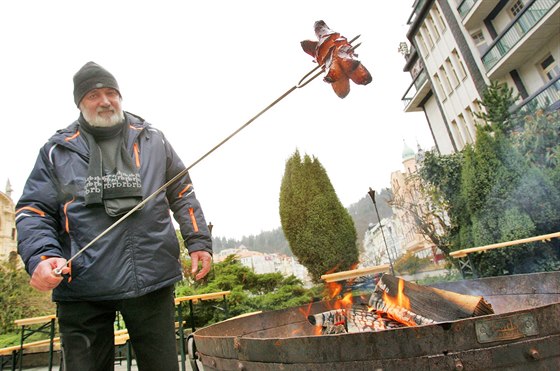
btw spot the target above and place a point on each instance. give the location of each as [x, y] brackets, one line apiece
[87, 332]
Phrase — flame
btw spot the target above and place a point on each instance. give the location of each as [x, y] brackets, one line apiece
[334, 289]
[345, 302]
[401, 300]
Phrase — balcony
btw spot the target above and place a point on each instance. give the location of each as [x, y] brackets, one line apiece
[521, 38]
[473, 12]
[546, 97]
[416, 92]
[465, 7]
[416, 11]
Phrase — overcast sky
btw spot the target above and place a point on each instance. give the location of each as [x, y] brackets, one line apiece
[200, 70]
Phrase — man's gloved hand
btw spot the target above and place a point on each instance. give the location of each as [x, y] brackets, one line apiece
[44, 278]
[205, 258]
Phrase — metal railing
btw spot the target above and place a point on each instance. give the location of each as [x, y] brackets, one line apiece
[465, 7]
[415, 11]
[519, 27]
[414, 86]
[546, 96]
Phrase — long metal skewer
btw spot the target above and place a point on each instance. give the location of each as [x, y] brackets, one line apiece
[306, 79]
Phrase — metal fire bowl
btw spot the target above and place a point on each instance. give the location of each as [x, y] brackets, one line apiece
[523, 334]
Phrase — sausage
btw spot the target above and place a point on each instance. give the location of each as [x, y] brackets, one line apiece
[340, 63]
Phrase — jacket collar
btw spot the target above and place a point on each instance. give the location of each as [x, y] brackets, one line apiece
[70, 137]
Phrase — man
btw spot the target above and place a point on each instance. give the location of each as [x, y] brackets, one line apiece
[85, 178]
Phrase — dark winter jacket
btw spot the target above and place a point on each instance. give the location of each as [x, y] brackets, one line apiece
[141, 254]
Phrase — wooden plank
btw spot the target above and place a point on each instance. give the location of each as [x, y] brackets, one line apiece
[33, 344]
[34, 320]
[344, 275]
[465, 252]
[244, 315]
[195, 298]
[121, 339]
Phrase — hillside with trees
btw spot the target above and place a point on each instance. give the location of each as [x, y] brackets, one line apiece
[361, 212]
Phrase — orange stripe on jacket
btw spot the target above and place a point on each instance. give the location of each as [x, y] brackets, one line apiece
[136, 155]
[193, 219]
[67, 226]
[42, 213]
[185, 190]
[73, 136]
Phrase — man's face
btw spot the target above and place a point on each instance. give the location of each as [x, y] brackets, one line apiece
[102, 107]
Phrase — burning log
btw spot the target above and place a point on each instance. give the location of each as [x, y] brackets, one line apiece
[354, 319]
[397, 303]
[414, 304]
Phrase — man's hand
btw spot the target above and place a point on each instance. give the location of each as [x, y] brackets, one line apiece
[205, 258]
[44, 278]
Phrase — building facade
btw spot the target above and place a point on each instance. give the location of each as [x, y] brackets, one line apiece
[261, 263]
[410, 206]
[458, 47]
[8, 237]
[382, 243]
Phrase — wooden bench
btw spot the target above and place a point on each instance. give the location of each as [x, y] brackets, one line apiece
[465, 252]
[191, 299]
[466, 265]
[30, 326]
[122, 343]
[354, 273]
[15, 352]
[31, 345]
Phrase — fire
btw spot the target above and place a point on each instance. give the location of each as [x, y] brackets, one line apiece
[401, 299]
[347, 300]
[334, 289]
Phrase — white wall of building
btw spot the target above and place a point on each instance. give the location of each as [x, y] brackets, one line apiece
[439, 129]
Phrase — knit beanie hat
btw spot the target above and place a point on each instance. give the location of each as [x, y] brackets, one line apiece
[92, 76]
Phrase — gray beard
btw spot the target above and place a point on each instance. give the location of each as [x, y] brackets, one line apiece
[98, 121]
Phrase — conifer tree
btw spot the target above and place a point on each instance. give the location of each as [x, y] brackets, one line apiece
[319, 230]
[506, 187]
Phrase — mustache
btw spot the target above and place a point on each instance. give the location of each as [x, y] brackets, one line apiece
[105, 109]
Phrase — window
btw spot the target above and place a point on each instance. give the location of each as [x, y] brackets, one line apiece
[471, 120]
[454, 77]
[457, 134]
[516, 7]
[439, 18]
[445, 80]
[464, 129]
[479, 40]
[426, 34]
[439, 87]
[459, 63]
[550, 68]
[422, 45]
[432, 27]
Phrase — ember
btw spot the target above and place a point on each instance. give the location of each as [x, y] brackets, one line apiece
[355, 319]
